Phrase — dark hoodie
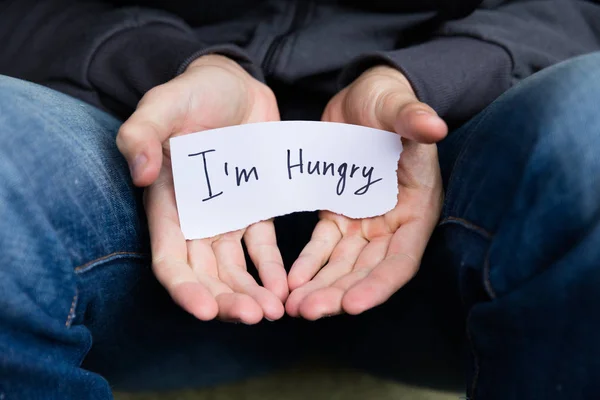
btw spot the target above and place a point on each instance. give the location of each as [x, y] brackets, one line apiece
[458, 54]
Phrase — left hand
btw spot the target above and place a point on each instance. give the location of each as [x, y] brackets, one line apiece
[206, 277]
[352, 265]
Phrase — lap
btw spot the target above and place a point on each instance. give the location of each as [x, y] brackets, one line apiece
[87, 225]
[65, 185]
[76, 264]
[521, 189]
[524, 171]
[61, 191]
[58, 195]
[64, 176]
[520, 225]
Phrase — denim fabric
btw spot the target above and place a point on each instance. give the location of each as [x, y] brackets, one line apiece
[65, 207]
[524, 176]
[75, 269]
[515, 259]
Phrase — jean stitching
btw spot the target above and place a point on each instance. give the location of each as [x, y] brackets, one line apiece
[488, 236]
[475, 360]
[461, 155]
[487, 281]
[71, 315]
[469, 225]
[107, 258]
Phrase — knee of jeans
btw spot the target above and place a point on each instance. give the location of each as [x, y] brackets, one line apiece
[555, 204]
[28, 99]
[46, 135]
[551, 122]
[563, 105]
[545, 128]
[65, 194]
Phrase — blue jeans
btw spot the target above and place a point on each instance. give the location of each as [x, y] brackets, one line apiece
[515, 259]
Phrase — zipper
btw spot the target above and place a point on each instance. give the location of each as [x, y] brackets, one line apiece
[300, 13]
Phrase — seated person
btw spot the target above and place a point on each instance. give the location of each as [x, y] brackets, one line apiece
[492, 252]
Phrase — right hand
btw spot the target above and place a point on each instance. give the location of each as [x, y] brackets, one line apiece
[207, 277]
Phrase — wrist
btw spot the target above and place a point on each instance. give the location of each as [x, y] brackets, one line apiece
[385, 71]
[215, 60]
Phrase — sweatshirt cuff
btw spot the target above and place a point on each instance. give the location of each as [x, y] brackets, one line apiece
[135, 60]
[230, 51]
[457, 76]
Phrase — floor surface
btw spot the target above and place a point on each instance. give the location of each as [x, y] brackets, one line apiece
[305, 384]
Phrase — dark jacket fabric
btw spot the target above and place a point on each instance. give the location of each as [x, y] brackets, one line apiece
[458, 54]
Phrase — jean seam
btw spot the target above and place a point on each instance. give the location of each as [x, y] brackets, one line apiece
[487, 280]
[476, 366]
[468, 225]
[461, 154]
[107, 258]
[71, 315]
[488, 236]
[492, 293]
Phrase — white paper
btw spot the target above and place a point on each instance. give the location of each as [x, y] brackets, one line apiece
[229, 178]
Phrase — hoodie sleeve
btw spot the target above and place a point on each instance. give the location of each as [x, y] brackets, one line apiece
[106, 56]
[467, 63]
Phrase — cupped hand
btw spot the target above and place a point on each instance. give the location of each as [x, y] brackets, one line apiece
[208, 277]
[352, 265]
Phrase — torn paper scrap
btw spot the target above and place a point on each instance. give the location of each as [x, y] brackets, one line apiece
[229, 178]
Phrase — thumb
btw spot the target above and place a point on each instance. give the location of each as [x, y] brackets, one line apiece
[141, 137]
[410, 118]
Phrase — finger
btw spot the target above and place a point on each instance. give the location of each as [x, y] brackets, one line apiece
[341, 262]
[324, 302]
[419, 122]
[373, 253]
[141, 137]
[315, 254]
[292, 304]
[242, 283]
[327, 301]
[261, 243]
[232, 306]
[342, 259]
[338, 265]
[188, 293]
[384, 99]
[201, 258]
[232, 271]
[238, 307]
[380, 284]
[400, 111]
[399, 266]
[169, 253]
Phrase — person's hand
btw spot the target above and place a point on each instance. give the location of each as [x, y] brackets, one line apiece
[352, 265]
[208, 278]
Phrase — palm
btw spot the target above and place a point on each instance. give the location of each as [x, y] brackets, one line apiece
[415, 179]
[351, 265]
[208, 277]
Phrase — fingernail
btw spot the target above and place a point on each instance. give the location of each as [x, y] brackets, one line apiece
[270, 320]
[136, 167]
